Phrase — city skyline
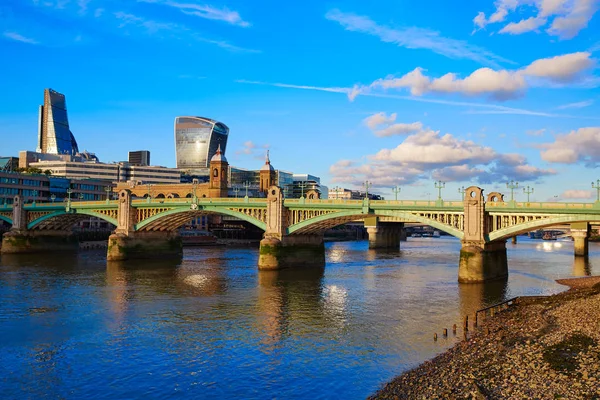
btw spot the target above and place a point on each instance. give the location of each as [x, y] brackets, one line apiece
[394, 93]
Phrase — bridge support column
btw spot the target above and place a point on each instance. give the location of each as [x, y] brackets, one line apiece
[280, 250]
[482, 262]
[383, 235]
[125, 243]
[21, 240]
[581, 233]
[479, 260]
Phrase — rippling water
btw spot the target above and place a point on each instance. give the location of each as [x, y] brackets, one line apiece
[211, 325]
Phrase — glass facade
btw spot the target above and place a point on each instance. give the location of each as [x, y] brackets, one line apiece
[54, 135]
[196, 141]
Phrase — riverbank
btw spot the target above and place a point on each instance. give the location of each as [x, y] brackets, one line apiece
[541, 348]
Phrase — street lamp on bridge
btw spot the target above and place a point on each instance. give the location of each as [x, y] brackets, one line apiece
[367, 185]
[35, 193]
[396, 189]
[149, 197]
[597, 187]
[107, 189]
[462, 191]
[528, 192]
[246, 185]
[512, 185]
[69, 191]
[53, 197]
[439, 185]
[236, 190]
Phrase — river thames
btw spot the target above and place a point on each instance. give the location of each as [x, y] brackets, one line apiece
[212, 325]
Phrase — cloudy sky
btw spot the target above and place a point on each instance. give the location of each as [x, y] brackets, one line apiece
[391, 92]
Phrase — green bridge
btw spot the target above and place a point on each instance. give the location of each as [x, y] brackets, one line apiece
[294, 227]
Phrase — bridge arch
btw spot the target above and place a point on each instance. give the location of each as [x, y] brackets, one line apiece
[505, 233]
[180, 216]
[74, 213]
[327, 221]
[6, 219]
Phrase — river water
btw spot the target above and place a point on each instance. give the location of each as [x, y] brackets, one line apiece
[212, 326]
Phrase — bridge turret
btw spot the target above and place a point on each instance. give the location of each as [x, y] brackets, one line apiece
[218, 175]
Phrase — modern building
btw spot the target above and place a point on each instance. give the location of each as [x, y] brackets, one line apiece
[9, 164]
[43, 188]
[114, 172]
[140, 157]
[54, 135]
[196, 142]
[348, 194]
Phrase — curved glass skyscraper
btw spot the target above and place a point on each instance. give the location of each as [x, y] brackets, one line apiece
[196, 141]
[54, 135]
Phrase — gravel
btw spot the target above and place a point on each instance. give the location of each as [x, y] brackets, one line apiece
[538, 348]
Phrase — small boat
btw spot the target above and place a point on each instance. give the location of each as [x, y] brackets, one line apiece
[197, 238]
[548, 236]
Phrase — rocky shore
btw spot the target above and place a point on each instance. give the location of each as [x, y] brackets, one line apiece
[539, 348]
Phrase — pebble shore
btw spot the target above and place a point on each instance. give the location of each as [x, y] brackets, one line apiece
[539, 348]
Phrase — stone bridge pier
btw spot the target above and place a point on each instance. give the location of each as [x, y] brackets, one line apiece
[479, 260]
[125, 243]
[581, 233]
[384, 235]
[20, 239]
[280, 250]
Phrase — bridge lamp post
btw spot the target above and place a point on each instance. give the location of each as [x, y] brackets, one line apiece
[462, 191]
[69, 191]
[367, 185]
[149, 197]
[512, 185]
[439, 185]
[396, 189]
[53, 197]
[107, 189]
[246, 185]
[236, 190]
[302, 186]
[528, 192]
[597, 187]
[35, 193]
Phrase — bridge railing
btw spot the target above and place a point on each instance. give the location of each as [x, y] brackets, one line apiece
[544, 205]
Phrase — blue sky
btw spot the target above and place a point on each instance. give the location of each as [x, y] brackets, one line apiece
[393, 92]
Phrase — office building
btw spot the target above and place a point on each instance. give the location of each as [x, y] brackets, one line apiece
[9, 164]
[196, 142]
[140, 157]
[43, 188]
[54, 135]
[114, 172]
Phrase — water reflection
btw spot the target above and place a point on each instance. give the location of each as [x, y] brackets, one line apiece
[581, 266]
[285, 297]
[474, 296]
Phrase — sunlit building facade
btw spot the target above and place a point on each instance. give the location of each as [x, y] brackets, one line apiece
[54, 135]
[196, 142]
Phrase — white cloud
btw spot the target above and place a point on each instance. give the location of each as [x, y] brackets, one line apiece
[399, 129]
[565, 68]
[570, 16]
[577, 194]
[579, 104]
[538, 132]
[428, 154]
[524, 25]
[415, 38]
[575, 19]
[204, 11]
[375, 121]
[379, 118]
[500, 85]
[582, 145]
[19, 38]
[251, 148]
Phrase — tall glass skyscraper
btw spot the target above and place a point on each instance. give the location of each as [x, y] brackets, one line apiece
[54, 135]
[196, 141]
